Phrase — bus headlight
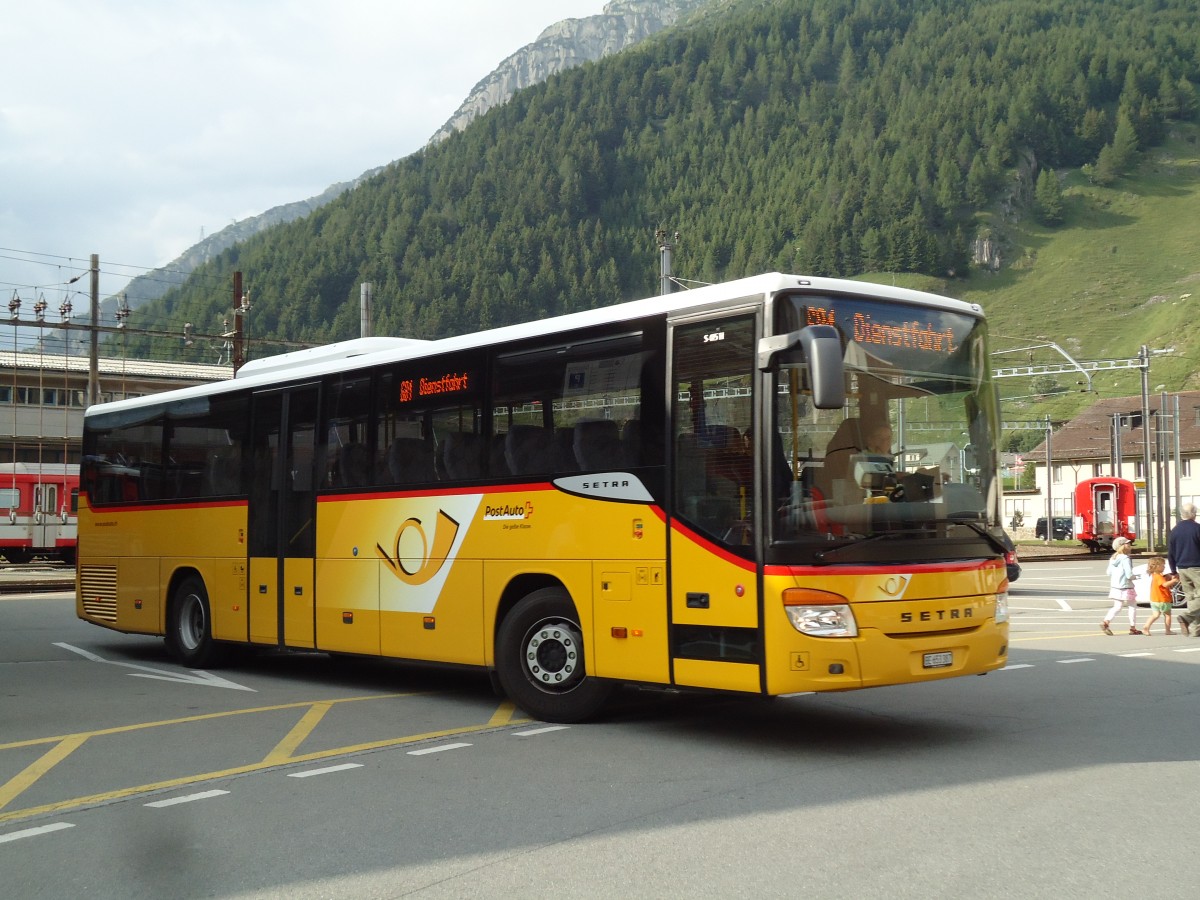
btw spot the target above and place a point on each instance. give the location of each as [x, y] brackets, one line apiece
[818, 613]
[1002, 606]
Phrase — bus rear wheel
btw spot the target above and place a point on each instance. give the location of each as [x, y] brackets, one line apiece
[540, 663]
[189, 626]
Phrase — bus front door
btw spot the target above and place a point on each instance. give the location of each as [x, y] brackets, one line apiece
[282, 520]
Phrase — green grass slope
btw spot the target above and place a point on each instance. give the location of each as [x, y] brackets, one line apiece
[1123, 270]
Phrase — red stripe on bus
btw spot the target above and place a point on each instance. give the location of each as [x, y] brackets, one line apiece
[709, 547]
[799, 571]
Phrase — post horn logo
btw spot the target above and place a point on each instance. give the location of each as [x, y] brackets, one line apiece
[430, 559]
[895, 585]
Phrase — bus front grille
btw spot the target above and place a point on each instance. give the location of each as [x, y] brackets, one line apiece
[98, 588]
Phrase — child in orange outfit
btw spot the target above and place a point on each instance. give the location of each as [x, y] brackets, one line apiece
[1160, 593]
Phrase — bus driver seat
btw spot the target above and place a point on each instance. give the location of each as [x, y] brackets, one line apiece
[835, 478]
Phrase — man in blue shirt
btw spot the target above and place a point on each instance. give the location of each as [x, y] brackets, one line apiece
[1183, 555]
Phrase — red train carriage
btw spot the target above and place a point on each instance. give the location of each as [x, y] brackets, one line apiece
[39, 505]
[1105, 508]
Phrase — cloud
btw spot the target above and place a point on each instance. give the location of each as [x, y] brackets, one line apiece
[138, 123]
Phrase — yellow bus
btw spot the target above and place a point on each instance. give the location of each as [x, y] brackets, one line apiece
[772, 486]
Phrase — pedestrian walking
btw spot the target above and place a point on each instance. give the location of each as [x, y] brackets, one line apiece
[1183, 555]
[1120, 585]
[1160, 593]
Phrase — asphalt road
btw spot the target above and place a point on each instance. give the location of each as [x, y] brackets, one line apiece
[1072, 773]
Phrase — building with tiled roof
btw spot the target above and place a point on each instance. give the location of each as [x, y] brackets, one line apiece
[43, 396]
[1110, 438]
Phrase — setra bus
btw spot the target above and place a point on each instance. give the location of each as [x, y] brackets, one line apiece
[736, 488]
[39, 505]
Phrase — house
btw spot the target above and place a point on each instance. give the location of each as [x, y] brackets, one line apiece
[1111, 438]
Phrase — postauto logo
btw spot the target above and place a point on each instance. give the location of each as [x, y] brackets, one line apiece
[416, 559]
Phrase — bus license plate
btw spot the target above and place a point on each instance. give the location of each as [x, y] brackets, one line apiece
[939, 660]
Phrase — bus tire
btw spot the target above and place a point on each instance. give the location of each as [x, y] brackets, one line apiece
[540, 663]
[189, 626]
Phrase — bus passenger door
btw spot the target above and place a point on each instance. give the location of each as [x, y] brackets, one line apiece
[283, 517]
[716, 638]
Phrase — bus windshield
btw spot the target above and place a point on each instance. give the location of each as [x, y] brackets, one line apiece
[909, 455]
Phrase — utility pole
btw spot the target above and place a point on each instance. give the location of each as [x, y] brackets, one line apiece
[1175, 429]
[93, 388]
[364, 309]
[1049, 482]
[666, 246]
[239, 308]
[1115, 461]
[1144, 365]
[1162, 448]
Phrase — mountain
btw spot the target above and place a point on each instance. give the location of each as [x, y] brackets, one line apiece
[953, 142]
[567, 44]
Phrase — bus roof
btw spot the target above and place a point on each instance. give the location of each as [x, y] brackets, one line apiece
[365, 352]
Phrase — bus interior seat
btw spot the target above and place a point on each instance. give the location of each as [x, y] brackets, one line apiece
[354, 465]
[564, 450]
[835, 477]
[631, 443]
[461, 454]
[410, 461]
[529, 449]
[497, 464]
[222, 474]
[597, 444]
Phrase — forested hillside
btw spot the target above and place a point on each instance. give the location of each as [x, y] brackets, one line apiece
[819, 136]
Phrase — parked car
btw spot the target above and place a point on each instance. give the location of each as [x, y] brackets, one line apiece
[1064, 528]
[1141, 586]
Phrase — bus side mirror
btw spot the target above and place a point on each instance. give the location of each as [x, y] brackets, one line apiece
[822, 349]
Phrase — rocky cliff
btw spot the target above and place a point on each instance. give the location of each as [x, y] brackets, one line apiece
[564, 45]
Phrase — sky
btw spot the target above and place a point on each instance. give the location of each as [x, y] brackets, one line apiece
[133, 128]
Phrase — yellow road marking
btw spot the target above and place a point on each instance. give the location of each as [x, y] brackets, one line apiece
[35, 770]
[310, 720]
[121, 729]
[502, 716]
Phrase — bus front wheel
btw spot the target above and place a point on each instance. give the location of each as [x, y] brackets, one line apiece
[189, 626]
[540, 663]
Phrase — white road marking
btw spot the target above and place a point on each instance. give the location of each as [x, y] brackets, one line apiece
[545, 730]
[1140, 653]
[1076, 659]
[197, 676]
[34, 832]
[1012, 666]
[311, 772]
[437, 749]
[189, 798]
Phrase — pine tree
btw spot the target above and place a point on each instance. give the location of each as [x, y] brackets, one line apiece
[1048, 198]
